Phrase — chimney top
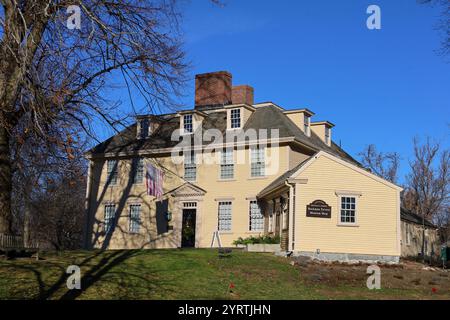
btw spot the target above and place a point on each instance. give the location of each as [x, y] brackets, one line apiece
[242, 94]
[213, 88]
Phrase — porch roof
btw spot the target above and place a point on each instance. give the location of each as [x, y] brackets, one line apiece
[279, 182]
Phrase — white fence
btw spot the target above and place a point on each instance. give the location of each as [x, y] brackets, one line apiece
[15, 242]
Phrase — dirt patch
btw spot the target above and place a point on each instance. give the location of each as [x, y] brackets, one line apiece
[406, 276]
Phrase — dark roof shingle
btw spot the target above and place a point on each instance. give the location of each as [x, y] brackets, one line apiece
[268, 117]
[409, 216]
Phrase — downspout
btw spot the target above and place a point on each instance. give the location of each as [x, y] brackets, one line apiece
[291, 227]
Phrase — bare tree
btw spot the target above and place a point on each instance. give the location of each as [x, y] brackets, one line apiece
[53, 77]
[57, 213]
[428, 184]
[382, 164]
[48, 191]
[443, 24]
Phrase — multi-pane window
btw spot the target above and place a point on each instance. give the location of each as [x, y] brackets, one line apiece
[110, 213]
[145, 126]
[256, 217]
[135, 218]
[235, 118]
[138, 170]
[190, 166]
[327, 135]
[348, 209]
[257, 162]
[307, 123]
[224, 216]
[408, 234]
[226, 164]
[189, 205]
[112, 171]
[187, 122]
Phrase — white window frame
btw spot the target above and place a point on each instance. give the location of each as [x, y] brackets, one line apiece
[407, 234]
[307, 124]
[257, 162]
[226, 162]
[224, 224]
[134, 225]
[112, 171]
[138, 170]
[254, 220]
[354, 223]
[237, 119]
[108, 220]
[190, 205]
[190, 165]
[191, 116]
[327, 135]
[143, 134]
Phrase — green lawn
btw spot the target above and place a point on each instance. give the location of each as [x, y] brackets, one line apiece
[170, 274]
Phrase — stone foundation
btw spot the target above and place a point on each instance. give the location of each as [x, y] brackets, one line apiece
[348, 257]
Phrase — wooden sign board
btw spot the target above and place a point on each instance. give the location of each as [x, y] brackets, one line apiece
[318, 209]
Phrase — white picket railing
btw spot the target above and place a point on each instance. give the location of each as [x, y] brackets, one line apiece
[9, 241]
[15, 242]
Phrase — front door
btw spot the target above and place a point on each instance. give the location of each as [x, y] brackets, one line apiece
[188, 228]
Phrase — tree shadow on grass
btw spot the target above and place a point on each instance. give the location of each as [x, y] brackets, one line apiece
[95, 267]
[100, 269]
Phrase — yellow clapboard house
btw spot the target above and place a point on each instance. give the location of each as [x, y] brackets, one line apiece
[239, 168]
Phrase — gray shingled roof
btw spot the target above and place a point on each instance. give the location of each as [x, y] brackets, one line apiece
[126, 141]
[409, 216]
[269, 117]
[273, 118]
[281, 179]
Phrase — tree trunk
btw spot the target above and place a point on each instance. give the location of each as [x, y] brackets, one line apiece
[27, 223]
[5, 183]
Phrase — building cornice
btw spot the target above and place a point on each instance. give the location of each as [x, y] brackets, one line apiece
[152, 152]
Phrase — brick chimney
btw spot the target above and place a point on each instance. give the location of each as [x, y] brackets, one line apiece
[242, 94]
[213, 88]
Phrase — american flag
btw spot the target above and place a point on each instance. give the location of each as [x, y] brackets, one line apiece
[154, 181]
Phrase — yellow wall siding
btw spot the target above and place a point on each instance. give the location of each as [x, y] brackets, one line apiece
[123, 194]
[295, 156]
[377, 212]
[319, 130]
[241, 188]
[298, 118]
[413, 247]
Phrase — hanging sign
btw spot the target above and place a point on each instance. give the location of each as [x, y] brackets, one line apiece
[318, 209]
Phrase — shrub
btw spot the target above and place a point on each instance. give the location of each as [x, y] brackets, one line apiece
[266, 239]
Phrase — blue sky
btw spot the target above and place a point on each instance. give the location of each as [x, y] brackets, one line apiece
[378, 86]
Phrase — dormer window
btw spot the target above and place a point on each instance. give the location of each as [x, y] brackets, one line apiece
[235, 118]
[327, 135]
[323, 130]
[144, 128]
[307, 124]
[187, 123]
